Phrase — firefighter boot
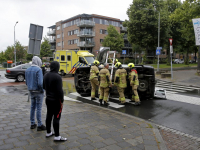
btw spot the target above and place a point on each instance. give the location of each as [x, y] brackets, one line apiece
[93, 99]
[106, 103]
[100, 100]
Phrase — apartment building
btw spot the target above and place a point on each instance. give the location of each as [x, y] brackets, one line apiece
[84, 32]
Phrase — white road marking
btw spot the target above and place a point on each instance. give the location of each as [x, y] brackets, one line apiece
[112, 104]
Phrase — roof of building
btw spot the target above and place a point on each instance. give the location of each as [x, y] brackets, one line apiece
[52, 27]
[88, 16]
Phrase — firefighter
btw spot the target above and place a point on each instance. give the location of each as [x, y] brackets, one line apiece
[120, 82]
[94, 72]
[134, 82]
[105, 83]
[116, 60]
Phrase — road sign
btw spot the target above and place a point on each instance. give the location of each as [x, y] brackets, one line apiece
[158, 52]
[196, 25]
[171, 49]
[159, 47]
[124, 52]
[170, 41]
[35, 37]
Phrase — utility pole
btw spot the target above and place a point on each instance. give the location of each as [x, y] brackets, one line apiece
[158, 38]
[14, 43]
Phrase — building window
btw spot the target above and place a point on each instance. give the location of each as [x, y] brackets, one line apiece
[63, 35]
[58, 44]
[106, 22]
[68, 58]
[58, 27]
[102, 31]
[62, 57]
[101, 40]
[58, 36]
[62, 43]
[100, 21]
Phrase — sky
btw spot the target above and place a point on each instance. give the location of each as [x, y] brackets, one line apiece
[47, 12]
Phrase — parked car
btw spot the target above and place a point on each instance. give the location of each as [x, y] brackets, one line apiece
[192, 61]
[178, 61]
[17, 72]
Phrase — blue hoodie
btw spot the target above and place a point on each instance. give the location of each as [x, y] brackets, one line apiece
[34, 76]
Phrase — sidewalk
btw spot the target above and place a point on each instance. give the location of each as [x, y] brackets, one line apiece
[183, 77]
[87, 127]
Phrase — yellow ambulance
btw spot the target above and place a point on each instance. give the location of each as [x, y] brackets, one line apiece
[70, 60]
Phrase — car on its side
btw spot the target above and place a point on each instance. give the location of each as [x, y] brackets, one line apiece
[17, 72]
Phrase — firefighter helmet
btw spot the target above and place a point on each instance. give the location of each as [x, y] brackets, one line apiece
[131, 65]
[118, 64]
[96, 62]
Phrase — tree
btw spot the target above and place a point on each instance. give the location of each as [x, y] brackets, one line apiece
[2, 57]
[114, 40]
[184, 15]
[20, 52]
[46, 48]
[143, 23]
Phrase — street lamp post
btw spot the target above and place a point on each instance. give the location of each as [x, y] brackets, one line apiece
[14, 43]
[158, 39]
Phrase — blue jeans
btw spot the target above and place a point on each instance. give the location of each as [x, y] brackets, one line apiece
[36, 103]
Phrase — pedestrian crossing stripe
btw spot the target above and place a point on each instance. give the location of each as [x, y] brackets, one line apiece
[175, 88]
[112, 104]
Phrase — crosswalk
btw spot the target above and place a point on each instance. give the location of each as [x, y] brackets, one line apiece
[175, 88]
[113, 103]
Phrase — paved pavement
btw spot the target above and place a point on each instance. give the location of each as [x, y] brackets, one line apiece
[184, 77]
[87, 127]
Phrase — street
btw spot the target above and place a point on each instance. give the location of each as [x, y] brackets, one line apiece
[178, 115]
[178, 112]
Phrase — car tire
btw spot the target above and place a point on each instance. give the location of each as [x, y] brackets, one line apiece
[20, 78]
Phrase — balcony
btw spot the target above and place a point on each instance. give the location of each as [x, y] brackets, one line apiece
[53, 47]
[85, 44]
[123, 28]
[127, 46]
[125, 37]
[51, 33]
[52, 41]
[86, 34]
[86, 23]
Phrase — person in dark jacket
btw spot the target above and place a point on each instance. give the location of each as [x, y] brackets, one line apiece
[54, 100]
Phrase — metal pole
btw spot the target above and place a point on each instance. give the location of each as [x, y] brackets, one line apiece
[171, 68]
[14, 43]
[158, 38]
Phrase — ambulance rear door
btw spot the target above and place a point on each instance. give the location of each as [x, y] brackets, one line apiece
[69, 61]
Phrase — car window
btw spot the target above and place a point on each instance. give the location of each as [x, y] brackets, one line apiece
[26, 66]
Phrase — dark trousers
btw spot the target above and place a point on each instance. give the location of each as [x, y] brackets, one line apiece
[53, 111]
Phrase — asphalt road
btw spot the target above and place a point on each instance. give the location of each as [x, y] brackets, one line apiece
[180, 111]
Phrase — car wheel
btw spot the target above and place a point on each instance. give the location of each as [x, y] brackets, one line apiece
[20, 78]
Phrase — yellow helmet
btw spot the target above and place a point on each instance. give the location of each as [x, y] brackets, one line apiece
[96, 62]
[116, 60]
[118, 64]
[131, 65]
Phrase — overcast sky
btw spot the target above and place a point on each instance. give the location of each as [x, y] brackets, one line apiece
[47, 13]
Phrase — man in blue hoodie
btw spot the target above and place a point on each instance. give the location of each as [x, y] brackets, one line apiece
[34, 82]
